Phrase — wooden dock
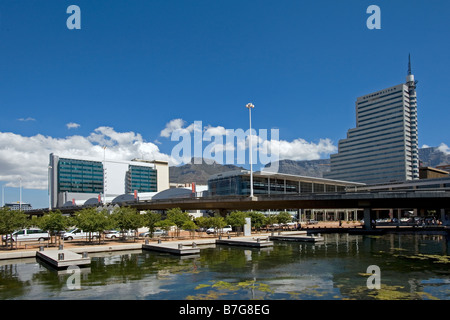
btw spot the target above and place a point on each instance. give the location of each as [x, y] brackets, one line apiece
[173, 247]
[63, 258]
[254, 242]
[296, 236]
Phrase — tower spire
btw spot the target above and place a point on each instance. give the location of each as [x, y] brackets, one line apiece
[409, 65]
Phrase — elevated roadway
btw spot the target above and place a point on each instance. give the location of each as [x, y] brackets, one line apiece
[438, 200]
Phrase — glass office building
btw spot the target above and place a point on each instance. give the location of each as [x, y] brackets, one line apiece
[384, 145]
[141, 179]
[238, 183]
[80, 176]
[75, 181]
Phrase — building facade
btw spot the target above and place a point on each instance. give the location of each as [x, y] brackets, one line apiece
[77, 180]
[19, 206]
[384, 145]
[238, 183]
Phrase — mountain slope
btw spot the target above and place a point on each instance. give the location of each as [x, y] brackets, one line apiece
[199, 173]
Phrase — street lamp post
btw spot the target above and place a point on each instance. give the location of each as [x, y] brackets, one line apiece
[250, 106]
[104, 175]
[3, 195]
[20, 194]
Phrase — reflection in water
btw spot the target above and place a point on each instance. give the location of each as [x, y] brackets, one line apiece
[412, 267]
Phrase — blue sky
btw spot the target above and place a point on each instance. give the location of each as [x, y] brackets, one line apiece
[136, 66]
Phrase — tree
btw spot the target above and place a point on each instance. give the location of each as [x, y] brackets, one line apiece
[270, 220]
[151, 219]
[258, 219]
[12, 220]
[284, 217]
[126, 218]
[165, 224]
[90, 220]
[217, 222]
[178, 217]
[236, 219]
[203, 222]
[191, 226]
[54, 223]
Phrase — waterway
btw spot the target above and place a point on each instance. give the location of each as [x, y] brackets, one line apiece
[411, 267]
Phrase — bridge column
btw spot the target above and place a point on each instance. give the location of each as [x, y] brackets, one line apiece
[367, 219]
[445, 221]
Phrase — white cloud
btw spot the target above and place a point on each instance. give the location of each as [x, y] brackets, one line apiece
[28, 157]
[72, 125]
[27, 119]
[174, 125]
[218, 140]
[444, 148]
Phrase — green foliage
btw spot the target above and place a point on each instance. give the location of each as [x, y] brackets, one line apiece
[271, 219]
[150, 220]
[90, 220]
[12, 220]
[203, 222]
[236, 218]
[165, 224]
[126, 218]
[284, 217]
[53, 222]
[258, 219]
[178, 217]
[217, 222]
[189, 225]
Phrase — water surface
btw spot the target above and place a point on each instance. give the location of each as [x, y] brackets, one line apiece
[411, 266]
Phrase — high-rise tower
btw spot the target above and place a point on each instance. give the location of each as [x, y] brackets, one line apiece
[384, 145]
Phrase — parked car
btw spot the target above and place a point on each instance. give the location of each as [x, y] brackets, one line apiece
[31, 234]
[312, 221]
[225, 229]
[112, 234]
[79, 234]
[156, 233]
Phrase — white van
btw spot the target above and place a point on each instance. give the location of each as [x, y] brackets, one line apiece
[226, 229]
[31, 234]
[79, 234]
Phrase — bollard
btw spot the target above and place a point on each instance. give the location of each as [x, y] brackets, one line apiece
[220, 237]
[41, 248]
[258, 240]
[229, 237]
[61, 256]
[180, 246]
[61, 247]
[194, 245]
[159, 240]
[146, 241]
[85, 254]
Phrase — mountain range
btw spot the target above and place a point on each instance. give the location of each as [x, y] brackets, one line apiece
[199, 173]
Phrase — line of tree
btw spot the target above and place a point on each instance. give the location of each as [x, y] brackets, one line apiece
[92, 221]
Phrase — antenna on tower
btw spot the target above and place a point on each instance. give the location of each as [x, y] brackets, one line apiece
[409, 65]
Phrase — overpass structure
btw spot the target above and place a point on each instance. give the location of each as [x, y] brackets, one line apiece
[368, 201]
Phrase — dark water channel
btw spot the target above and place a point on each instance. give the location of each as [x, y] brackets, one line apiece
[411, 267]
